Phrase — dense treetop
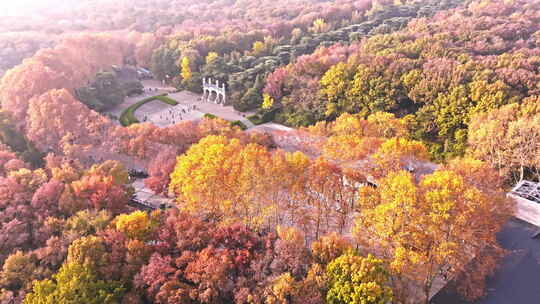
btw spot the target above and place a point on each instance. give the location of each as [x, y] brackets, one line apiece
[412, 118]
[442, 71]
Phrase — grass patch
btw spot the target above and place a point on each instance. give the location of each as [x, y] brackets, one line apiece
[167, 100]
[255, 119]
[128, 116]
[239, 124]
[263, 116]
[236, 123]
[210, 116]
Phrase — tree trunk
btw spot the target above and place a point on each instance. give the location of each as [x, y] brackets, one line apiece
[427, 289]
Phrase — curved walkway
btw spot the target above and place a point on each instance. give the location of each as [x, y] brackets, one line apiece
[128, 116]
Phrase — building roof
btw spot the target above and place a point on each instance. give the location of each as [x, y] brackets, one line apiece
[527, 190]
[517, 279]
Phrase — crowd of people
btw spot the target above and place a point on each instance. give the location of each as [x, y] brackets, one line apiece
[174, 114]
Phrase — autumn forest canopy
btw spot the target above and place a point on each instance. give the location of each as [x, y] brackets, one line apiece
[377, 140]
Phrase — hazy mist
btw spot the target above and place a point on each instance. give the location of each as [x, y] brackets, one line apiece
[24, 7]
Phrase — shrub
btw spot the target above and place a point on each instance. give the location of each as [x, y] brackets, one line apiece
[263, 116]
[167, 100]
[210, 116]
[239, 124]
[255, 119]
[268, 116]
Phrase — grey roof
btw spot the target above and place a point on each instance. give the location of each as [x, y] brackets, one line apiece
[528, 190]
[517, 281]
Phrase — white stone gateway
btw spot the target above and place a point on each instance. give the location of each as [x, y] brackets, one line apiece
[213, 92]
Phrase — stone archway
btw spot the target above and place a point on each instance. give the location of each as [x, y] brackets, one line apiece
[211, 89]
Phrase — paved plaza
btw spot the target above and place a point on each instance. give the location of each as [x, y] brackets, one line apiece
[151, 88]
[162, 114]
[192, 100]
[190, 107]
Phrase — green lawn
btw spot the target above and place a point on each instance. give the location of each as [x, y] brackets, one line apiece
[128, 116]
[263, 116]
[237, 123]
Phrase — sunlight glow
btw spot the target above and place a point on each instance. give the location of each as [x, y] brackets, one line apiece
[24, 7]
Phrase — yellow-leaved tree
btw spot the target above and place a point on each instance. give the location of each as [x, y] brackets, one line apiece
[75, 283]
[438, 228]
[211, 57]
[227, 180]
[186, 68]
[334, 87]
[221, 178]
[135, 225]
[350, 147]
[357, 280]
[258, 48]
[398, 153]
[268, 102]
[508, 138]
[319, 26]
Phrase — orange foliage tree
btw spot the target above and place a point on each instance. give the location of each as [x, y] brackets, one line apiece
[509, 139]
[56, 120]
[231, 181]
[68, 65]
[434, 228]
[220, 177]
